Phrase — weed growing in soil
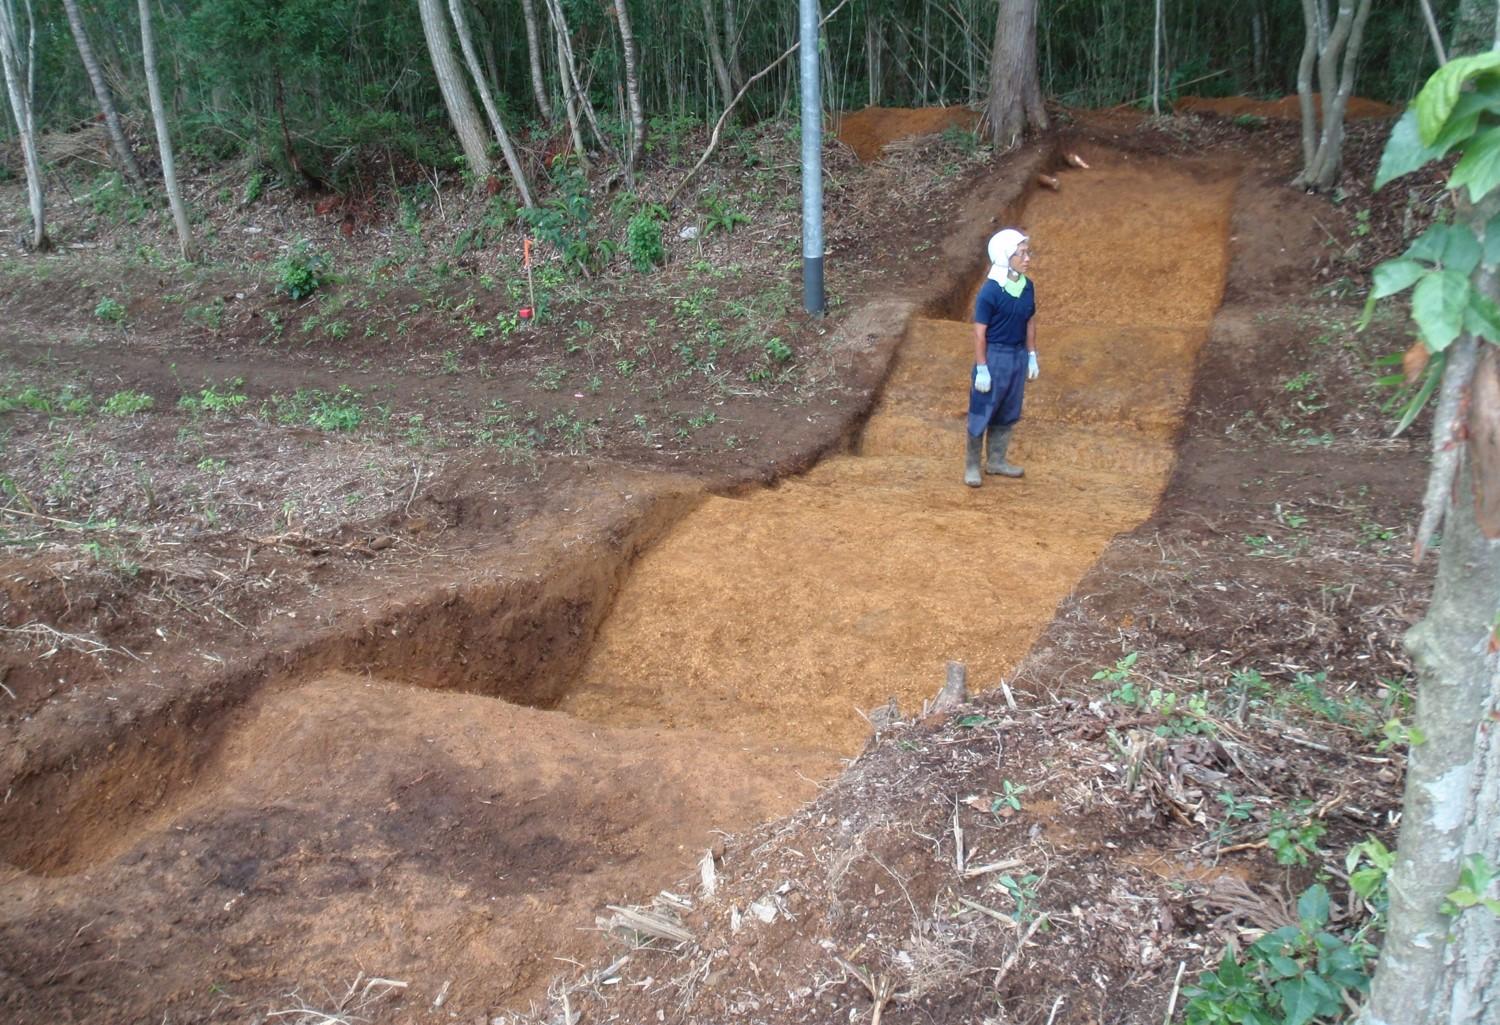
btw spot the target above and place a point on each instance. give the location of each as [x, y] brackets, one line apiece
[109, 310]
[214, 399]
[300, 272]
[1291, 976]
[643, 242]
[126, 403]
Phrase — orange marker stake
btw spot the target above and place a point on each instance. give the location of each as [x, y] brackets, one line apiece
[527, 312]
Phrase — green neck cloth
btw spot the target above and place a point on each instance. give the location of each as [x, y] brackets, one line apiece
[1014, 287]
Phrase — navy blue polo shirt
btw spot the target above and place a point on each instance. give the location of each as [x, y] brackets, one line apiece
[1004, 315]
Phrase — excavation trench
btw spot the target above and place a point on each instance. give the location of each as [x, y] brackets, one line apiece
[352, 822]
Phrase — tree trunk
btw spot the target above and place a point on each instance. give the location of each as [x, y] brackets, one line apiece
[1258, 44]
[18, 88]
[1337, 60]
[1157, 24]
[163, 136]
[1477, 26]
[570, 104]
[1435, 970]
[124, 158]
[716, 51]
[461, 112]
[570, 72]
[466, 44]
[1015, 101]
[732, 45]
[632, 90]
[1305, 67]
[534, 51]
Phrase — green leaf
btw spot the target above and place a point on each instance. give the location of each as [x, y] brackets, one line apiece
[1430, 379]
[1439, 97]
[1285, 967]
[1438, 306]
[1313, 905]
[1492, 242]
[1394, 276]
[1405, 152]
[973, 720]
[1479, 168]
[1298, 1001]
[1451, 245]
[1482, 318]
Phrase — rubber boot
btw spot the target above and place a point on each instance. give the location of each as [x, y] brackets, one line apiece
[972, 476]
[999, 440]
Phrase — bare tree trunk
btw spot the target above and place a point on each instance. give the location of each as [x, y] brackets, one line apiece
[1336, 65]
[18, 88]
[1258, 43]
[1157, 24]
[1477, 25]
[872, 58]
[123, 156]
[461, 112]
[466, 44]
[1434, 970]
[1305, 68]
[632, 90]
[534, 51]
[163, 136]
[570, 72]
[716, 51]
[1015, 101]
[570, 104]
[732, 44]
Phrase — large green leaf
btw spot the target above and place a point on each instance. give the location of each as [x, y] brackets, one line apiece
[1394, 276]
[1438, 98]
[1482, 318]
[1313, 905]
[1438, 305]
[1298, 1002]
[1479, 168]
[1452, 246]
[1405, 151]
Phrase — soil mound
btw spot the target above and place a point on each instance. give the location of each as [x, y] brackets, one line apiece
[1287, 108]
[868, 132]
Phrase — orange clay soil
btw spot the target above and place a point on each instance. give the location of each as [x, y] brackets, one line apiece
[869, 131]
[350, 824]
[780, 614]
[1286, 108]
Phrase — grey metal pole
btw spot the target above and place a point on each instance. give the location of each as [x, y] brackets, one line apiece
[813, 300]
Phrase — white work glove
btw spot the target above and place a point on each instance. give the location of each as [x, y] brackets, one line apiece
[1031, 368]
[982, 379]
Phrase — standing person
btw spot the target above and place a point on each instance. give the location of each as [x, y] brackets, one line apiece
[1004, 354]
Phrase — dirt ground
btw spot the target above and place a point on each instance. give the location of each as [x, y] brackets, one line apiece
[302, 798]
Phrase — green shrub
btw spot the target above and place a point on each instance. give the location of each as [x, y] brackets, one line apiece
[109, 310]
[1292, 976]
[300, 272]
[124, 403]
[643, 242]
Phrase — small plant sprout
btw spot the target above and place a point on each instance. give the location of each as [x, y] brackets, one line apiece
[110, 310]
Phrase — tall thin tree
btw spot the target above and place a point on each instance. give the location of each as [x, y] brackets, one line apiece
[18, 86]
[124, 157]
[471, 59]
[461, 112]
[163, 136]
[534, 55]
[637, 139]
